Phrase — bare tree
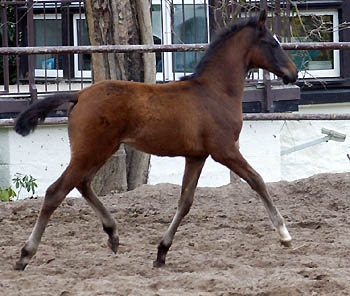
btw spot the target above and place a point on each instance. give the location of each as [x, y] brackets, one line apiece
[121, 22]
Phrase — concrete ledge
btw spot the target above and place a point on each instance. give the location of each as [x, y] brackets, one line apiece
[48, 121]
[247, 117]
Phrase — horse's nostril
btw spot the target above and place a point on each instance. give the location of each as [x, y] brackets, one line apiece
[285, 79]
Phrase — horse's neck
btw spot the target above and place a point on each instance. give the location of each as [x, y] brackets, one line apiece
[228, 68]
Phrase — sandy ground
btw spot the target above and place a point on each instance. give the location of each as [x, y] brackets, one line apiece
[226, 245]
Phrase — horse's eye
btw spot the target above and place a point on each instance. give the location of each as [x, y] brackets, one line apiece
[271, 43]
[274, 44]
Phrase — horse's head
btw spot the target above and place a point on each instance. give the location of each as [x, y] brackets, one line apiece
[268, 54]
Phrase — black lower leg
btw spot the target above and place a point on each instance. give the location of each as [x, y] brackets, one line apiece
[19, 265]
[113, 241]
[162, 251]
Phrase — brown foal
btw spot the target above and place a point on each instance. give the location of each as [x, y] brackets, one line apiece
[196, 117]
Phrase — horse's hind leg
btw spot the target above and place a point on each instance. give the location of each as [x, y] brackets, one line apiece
[193, 170]
[54, 196]
[233, 159]
[108, 223]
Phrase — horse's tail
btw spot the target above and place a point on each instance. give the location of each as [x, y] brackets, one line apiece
[28, 120]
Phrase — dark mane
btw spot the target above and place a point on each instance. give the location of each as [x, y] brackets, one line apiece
[219, 41]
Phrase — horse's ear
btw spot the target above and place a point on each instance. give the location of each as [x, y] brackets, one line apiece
[262, 19]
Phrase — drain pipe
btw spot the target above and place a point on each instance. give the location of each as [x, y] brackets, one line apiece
[331, 136]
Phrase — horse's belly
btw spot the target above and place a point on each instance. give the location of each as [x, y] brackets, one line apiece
[168, 146]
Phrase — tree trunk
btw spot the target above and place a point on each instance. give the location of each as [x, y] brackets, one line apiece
[121, 22]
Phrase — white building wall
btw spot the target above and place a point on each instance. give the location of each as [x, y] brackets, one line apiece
[45, 153]
[330, 157]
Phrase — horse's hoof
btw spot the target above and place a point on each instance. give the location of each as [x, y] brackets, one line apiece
[158, 264]
[19, 266]
[113, 244]
[286, 243]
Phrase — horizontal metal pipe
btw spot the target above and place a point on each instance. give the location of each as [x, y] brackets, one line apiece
[295, 116]
[101, 49]
[153, 48]
[246, 116]
[48, 121]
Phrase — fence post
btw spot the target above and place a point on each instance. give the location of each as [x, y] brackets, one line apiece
[5, 61]
[31, 58]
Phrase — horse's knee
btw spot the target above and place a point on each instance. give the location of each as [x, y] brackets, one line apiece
[51, 190]
[56, 193]
[51, 197]
[185, 207]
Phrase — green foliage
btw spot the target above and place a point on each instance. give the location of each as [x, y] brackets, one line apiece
[24, 181]
[7, 194]
[20, 181]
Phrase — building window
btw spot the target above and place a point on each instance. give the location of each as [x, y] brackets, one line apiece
[82, 62]
[179, 22]
[316, 26]
[47, 32]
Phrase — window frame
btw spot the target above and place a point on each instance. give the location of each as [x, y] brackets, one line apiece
[50, 73]
[167, 73]
[77, 72]
[326, 73]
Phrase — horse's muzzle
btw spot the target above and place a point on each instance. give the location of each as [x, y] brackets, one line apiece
[290, 78]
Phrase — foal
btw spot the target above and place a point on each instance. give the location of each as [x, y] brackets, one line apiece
[194, 118]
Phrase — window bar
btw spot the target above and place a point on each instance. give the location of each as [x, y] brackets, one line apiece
[69, 43]
[277, 15]
[172, 18]
[249, 8]
[195, 29]
[206, 12]
[240, 12]
[266, 76]
[228, 12]
[163, 38]
[276, 23]
[80, 41]
[255, 7]
[246, 11]
[239, 6]
[264, 5]
[45, 56]
[184, 32]
[57, 57]
[17, 45]
[31, 58]
[288, 21]
[234, 9]
[5, 59]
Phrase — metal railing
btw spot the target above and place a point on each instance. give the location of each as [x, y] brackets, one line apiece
[68, 53]
[29, 75]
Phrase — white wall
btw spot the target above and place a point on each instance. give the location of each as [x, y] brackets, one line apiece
[261, 143]
[326, 157]
[45, 153]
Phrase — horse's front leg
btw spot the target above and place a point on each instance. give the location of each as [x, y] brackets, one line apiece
[231, 157]
[193, 170]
